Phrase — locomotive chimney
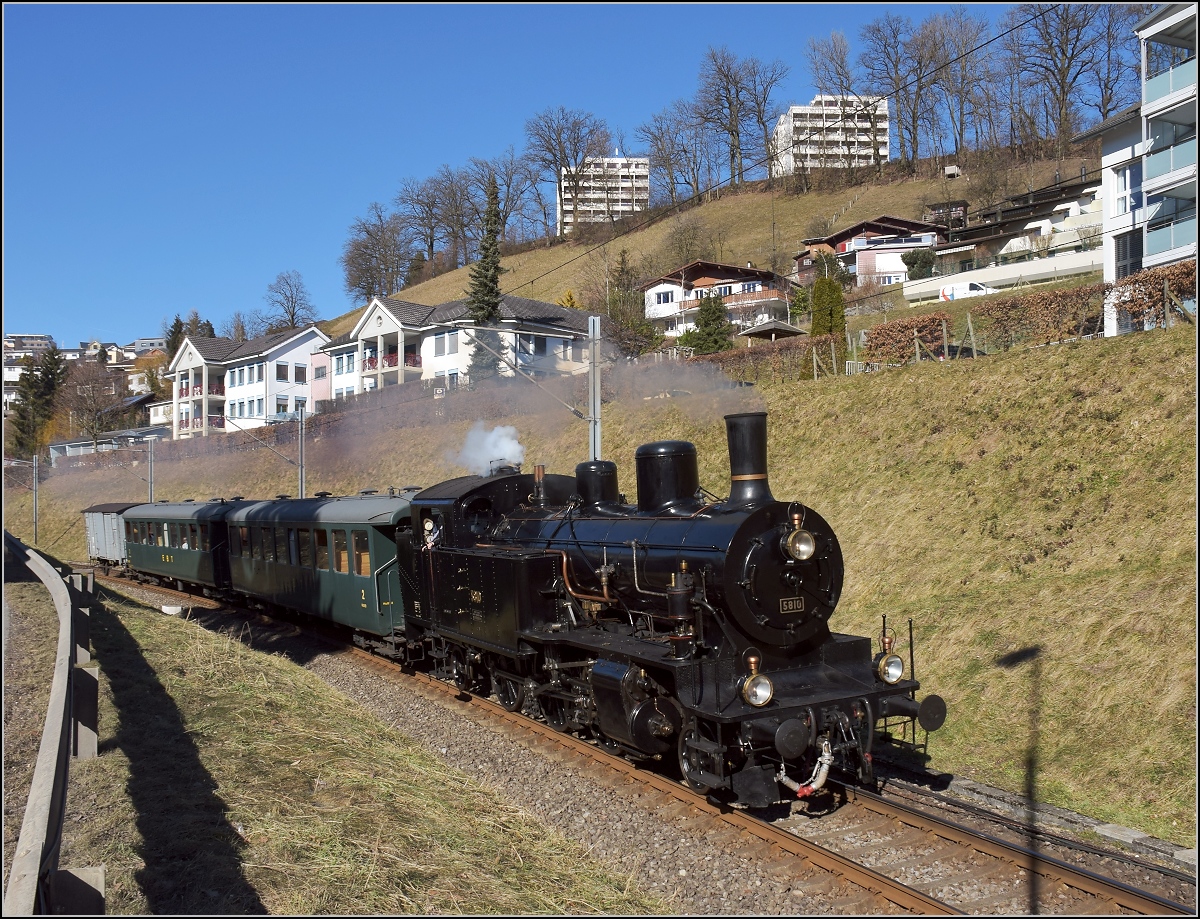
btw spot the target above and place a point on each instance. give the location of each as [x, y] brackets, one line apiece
[747, 434]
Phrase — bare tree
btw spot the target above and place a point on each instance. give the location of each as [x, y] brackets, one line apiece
[376, 255]
[1060, 47]
[460, 214]
[961, 70]
[419, 213]
[92, 398]
[761, 81]
[513, 180]
[1116, 64]
[835, 74]
[722, 102]
[289, 305]
[663, 138]
[242, 326]
[560, 143]
[887, 69]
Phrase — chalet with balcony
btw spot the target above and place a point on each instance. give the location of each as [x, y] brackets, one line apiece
[752, 296]
[871, 250]
[221, 384]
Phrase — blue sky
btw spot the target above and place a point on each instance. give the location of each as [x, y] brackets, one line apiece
[163, 158]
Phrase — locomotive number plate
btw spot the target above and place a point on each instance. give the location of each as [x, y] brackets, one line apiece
[791, 604]
[477, 596]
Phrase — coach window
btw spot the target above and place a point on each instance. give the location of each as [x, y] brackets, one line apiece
[341, 560]
[362, 553]
[128, 531]
[235, 541]
[304, 544]
[268, 544]
[293, 554]
[158, 535]
[143, 532]
[173, 535]
[322, 549]
[204, 544]
[281, 545]
[255, 543]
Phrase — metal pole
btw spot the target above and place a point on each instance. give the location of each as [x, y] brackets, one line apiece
[35, 498]
[151, 475]
[594, 385]
[302, 451]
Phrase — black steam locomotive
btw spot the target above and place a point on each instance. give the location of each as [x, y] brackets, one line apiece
[671, 628]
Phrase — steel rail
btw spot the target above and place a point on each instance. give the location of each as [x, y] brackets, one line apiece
[1035, 862]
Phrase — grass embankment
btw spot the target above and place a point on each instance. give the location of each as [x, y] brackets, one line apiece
[1037, 497]
[234, 782]
[759, 226]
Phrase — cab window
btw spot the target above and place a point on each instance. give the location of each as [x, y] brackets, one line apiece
[362, 555]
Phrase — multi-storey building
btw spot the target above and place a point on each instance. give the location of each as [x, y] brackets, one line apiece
[611, 187]
[831, 131]
[1148, 157]
[222, 384]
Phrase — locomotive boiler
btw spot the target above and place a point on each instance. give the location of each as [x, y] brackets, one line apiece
[673, 627]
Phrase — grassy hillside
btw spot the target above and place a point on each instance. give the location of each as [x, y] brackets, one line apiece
[762, 227]
[1045, 496]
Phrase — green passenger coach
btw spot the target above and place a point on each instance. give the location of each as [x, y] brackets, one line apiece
[181, 542]
[332, 558]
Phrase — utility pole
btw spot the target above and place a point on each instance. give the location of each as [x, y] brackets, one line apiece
[150, 443]
[594, 385]
[35, 498]
[302, 451]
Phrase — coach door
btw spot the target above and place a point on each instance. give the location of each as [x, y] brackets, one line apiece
[386, 577]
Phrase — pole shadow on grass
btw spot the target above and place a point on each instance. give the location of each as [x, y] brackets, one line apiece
[192, 854]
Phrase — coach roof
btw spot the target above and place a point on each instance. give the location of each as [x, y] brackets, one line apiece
[374, 510]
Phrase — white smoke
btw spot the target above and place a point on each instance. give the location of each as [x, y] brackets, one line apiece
[484, 450]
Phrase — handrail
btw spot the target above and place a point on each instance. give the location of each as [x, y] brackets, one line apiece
[35, 860]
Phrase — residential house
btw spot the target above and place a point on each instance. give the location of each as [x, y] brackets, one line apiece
[222, 384]
[871, 250]
[752, 295]
[1148, 158]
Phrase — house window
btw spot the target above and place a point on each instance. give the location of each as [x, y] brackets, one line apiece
[281, 371]
[664, 296]
[241, 376]
[241, 409]
[439, 345]
[262, 372]
[723, 291]
[259, 412]
[280, 405]
[350, 363]
[300, 403]
[319, 373]
[232, 378]
[1128, 192]
[751, 287]
[452, 343]
[301, 373]
[338, 366]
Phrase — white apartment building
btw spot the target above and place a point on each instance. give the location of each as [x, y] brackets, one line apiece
[611, 188]
[831, 131]
[225, 385]
[1148, 158]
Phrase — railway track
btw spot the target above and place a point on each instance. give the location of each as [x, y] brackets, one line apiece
[868, 853]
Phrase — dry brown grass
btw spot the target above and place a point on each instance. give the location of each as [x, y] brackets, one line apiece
[233, 782]
[1044, 496]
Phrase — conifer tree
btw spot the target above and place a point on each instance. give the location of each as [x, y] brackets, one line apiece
[483, 292]
[828, 308]
[713, 332]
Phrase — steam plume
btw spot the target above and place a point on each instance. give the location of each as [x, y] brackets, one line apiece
[482, 448]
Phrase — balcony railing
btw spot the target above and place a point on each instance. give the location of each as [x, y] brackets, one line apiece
[1165, 161]
[390, 360]
[1167, 82]
[216, 421]
[1171, 236]
[370, 363]
[412, 360]
[214, 389]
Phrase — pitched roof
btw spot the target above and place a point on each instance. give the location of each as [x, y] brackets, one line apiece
[680, 274]
[517, 309]
[221, 350]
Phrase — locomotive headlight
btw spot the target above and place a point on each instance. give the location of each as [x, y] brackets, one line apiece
[800, 545]
[757, 689]
[890, 668]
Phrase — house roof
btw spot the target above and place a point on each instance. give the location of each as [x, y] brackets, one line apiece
[1110, 123]
[884, 225]
[774, 329]
[224, 350]
[516, 309]
[700, 266]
